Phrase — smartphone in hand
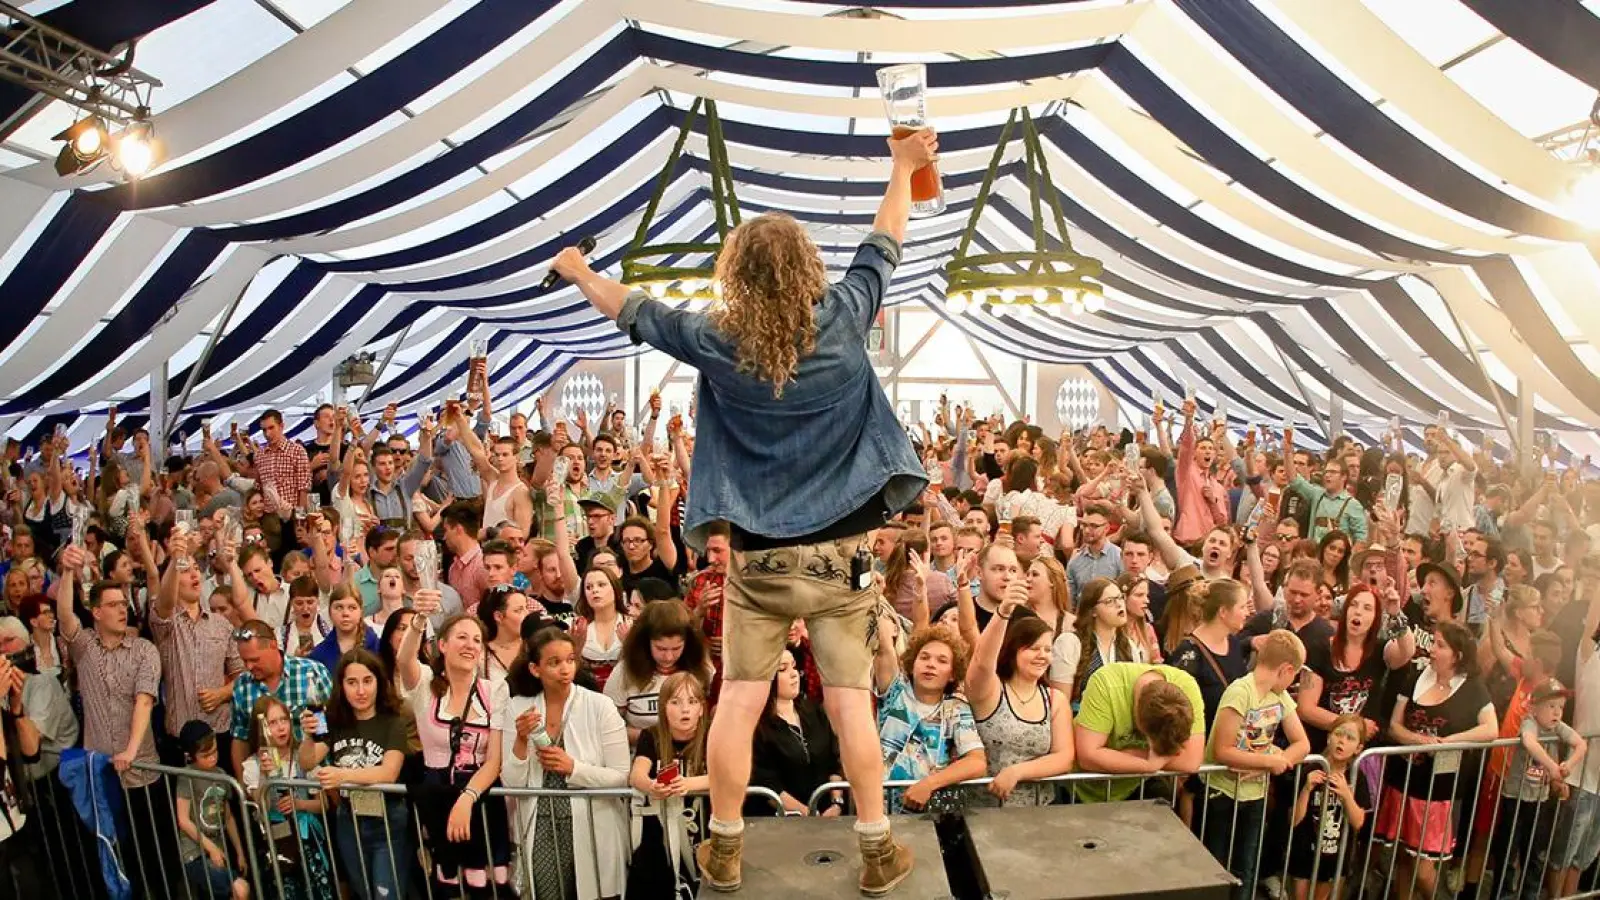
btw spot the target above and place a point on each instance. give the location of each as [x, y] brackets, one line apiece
[669, 773]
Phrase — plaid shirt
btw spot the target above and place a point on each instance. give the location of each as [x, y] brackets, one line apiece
[286, 469]
[111, 680]
[303, 682]
[196, 654]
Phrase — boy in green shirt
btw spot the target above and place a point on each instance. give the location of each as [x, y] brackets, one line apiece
[1249, 716]
[1138, 719]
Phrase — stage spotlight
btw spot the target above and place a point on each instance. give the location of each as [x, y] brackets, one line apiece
[136, 150]
[86, 142]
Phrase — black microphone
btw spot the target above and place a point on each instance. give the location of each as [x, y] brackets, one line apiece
[585, 246]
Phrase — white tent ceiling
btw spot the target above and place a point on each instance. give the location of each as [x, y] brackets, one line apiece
[1366, 199]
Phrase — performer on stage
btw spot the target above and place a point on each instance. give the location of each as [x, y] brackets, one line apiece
[799, 450]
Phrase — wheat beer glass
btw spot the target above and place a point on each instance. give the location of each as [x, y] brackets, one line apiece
[905, 100]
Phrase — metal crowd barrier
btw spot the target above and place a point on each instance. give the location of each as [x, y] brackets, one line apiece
[406, 848]
[1459, 833]
[1171, 788]
[151, 855]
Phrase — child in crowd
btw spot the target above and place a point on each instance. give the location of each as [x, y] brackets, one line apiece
[297, 838]
[207, 826]
[1531, 673]
[1251, 712]
[1522, 828]
[1321, 820]
[669, 764]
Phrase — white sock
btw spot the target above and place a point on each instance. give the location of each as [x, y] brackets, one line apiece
[727, 829]
[873, 830]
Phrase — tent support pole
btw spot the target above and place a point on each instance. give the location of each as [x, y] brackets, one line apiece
[383, 365]
[1304, 394]
[171, 412]
[1491, 388]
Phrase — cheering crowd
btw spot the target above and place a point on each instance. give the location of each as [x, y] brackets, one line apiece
[371, 608]
[372, 634]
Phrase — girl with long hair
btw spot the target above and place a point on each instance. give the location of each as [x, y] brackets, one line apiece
[668, 766]
[663, 641]
[1349, 679]
[1098, 637]
[1024, 722]
[795, 749]
[1213, 652]
[1141, 631]
[1333, 553]
[365, 745]
[396, 633]
[566, 737]
[294, 818]
[501, 612]
[1049, 593]
[1507, 641]
[599, 605]
[461, 718]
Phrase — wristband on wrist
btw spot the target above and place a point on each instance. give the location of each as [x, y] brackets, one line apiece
[471, 792]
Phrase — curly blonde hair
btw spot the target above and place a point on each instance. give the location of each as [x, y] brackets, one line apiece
[771, 275]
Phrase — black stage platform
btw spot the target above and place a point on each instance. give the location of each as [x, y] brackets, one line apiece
[1114, 850]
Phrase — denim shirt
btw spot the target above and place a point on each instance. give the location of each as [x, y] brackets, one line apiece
[793, 465]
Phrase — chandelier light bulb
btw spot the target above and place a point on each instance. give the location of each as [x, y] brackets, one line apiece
[1040, 295]
[658, 290]
[1007, 295]
[1094, 303]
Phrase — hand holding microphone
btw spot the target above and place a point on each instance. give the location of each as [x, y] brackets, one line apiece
[569, 264]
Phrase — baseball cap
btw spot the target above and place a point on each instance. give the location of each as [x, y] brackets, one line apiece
[193, 735]
[1550, 690]
[589, 503]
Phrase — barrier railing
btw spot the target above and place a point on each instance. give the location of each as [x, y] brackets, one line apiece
[1243, 859]
[1424, 820]
[400, 861]
[1428, 804]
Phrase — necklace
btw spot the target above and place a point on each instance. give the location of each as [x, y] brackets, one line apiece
[1017, 698]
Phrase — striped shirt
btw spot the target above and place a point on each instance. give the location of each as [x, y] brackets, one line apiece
[111, 680]
[197, 653]
[302, 683]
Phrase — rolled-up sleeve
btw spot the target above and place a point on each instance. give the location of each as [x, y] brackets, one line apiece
[867, 280]
[674, 332]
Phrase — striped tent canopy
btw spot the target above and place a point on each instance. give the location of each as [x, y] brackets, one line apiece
[1295, 200]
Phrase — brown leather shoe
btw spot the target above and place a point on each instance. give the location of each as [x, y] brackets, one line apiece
[718, 856]
[884, 864]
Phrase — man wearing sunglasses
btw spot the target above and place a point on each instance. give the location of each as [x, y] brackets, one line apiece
[298, 681]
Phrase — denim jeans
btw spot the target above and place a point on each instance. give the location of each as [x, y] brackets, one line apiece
[376, 858]
[1232, 831]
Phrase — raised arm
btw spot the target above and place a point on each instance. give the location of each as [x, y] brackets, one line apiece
[71, 561]
[983, 683]
[406, 659]
[1171, 554]
[885, 665]
[666, 499]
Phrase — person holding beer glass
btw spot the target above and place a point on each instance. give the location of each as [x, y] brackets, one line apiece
[784, 367]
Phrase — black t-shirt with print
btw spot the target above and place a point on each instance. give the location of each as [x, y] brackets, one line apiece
[362, 744]
[1356, 693]
[1456, 714]
[1318, 834]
